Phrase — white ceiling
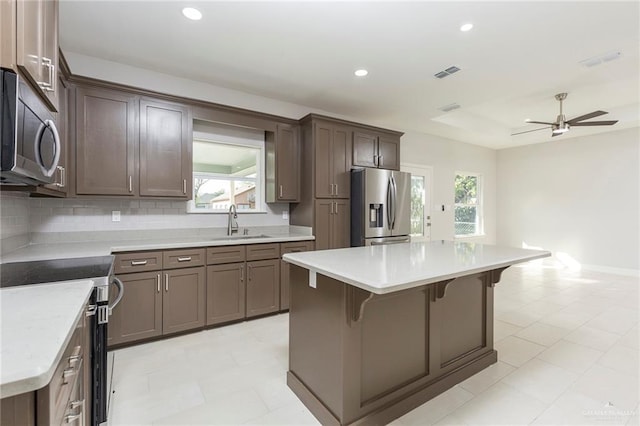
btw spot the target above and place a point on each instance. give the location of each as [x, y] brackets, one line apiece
[517, 56]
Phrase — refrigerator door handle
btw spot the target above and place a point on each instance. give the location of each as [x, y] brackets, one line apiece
[389, 204]
[394, 198]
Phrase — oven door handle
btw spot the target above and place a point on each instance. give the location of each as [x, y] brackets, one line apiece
[120, 286]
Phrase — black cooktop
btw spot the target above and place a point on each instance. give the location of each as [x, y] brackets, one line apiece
[44, 271]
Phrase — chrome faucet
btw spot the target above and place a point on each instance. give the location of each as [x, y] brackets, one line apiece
[232, 224]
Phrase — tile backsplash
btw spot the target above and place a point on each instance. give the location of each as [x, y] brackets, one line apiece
[75, 215]
[14, 220]
[22, 219]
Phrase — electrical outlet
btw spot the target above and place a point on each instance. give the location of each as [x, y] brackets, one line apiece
[285, 215]
[115, 216]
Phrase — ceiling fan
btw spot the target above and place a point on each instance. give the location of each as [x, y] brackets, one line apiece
[561, 125]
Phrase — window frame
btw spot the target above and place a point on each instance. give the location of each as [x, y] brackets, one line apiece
[479, 205]
[260, 178]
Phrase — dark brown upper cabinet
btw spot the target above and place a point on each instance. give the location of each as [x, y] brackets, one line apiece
[127, 146]
[32, 27]
[332, 153]
[283, 164]
[376, 150]
[106, 142]
[165, 149]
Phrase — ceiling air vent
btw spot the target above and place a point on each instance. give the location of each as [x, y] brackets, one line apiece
[449, 107]
[447, 72]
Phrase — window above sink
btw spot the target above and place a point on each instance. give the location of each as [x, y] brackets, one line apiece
[228, 168]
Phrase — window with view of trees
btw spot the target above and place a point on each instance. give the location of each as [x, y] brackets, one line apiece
[468, 205]
[227, 169]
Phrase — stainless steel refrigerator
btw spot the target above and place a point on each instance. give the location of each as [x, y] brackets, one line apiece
[380, 207]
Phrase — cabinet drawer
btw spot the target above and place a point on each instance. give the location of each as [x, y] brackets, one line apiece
[52, 400]
[295, 247]
[263, 251]
[172, 259]
[138, 262]
[225, 254]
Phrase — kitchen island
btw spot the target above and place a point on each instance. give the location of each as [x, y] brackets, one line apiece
[376, 331]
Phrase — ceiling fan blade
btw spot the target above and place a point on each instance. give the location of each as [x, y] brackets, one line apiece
[595, 123]
[529, 131]
[586, 117]
[539, 122]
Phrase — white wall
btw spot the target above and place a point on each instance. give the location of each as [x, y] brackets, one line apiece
[576, 196]
[447, 157]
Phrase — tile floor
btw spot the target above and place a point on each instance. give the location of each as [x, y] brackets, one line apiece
[567, 347]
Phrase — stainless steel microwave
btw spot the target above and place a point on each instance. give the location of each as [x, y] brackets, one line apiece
[30, 140]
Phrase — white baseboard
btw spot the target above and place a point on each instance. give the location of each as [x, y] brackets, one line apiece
[609, 270]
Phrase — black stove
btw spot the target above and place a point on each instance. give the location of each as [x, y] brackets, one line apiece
[44, 271]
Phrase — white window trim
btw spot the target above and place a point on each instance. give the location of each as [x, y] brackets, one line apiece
[479, 206]
[261, 206]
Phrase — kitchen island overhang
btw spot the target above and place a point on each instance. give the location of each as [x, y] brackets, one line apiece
[377, 331]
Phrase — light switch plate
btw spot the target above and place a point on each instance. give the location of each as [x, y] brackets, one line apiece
[285, 215]
[115, 216]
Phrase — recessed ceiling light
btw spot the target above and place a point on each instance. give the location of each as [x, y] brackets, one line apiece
[466, 27]
[192, 13]
[361, 73]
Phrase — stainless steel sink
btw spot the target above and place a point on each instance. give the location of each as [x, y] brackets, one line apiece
[238, 237]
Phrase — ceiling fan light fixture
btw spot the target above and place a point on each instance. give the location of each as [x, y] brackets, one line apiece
[560, 129]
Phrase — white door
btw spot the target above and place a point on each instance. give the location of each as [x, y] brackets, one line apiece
[421, 191]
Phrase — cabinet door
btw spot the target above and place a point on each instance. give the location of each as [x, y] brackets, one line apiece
[263, 287]
[389, 151]
[106, 140]
[365, 149]
[165, 160]
[322, 223]
[323, 135]
[60, 184]
[139, 313]
[287, 163]
[183, 303]
[341, 162]
[50, 49]
[341, 224]
[29, 41]
[284, 269]
[225, 293]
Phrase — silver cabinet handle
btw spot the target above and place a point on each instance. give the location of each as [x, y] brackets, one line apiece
[336, 208]
[184, 186]
[184, 259]
[47, 86]
[158, 283]
[75, 404]
[375, 160]
[337, 192]
[331, 208]
[166, 282]
[130, 183]
[91, 310]
[73, 417]
[280, 191]
[60, 184]
[249, 272]
[69, 372]
[63, 177]
[138, 262]
[241, 273]
[381, 160]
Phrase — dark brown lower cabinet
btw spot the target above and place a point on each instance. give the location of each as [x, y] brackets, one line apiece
[157, 303]
[285, 273]
[183, 304]
[263, 287]
[332, 224]
[139, 313]
[225, 293]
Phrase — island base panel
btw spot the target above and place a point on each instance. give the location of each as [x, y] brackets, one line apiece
[396, 409]
[359, 357]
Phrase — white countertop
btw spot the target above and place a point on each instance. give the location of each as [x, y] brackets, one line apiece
[103, 248]
[388, 268]
[36, 324]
